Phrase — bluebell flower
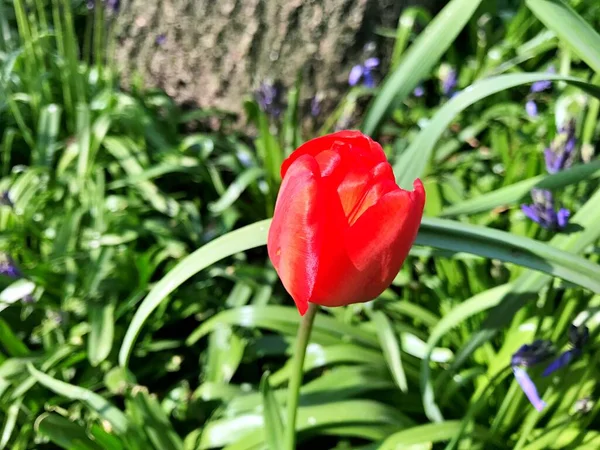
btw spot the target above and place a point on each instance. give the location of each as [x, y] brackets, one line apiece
[269, 97]
[112, 5]
[419, 91]
[529, 355]
[8, 268]
[531, 108]
[315, 105]
[561, 153]
[161, 39]
[578, 337]
[528, 387]
[364, 72]
[543, 211]
[543, 85]
[6, 200]
[448, 79]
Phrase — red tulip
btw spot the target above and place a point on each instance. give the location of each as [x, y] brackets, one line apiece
[342, 227]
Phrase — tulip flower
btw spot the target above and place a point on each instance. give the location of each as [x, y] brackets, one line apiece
[340, 232]
[342, 227]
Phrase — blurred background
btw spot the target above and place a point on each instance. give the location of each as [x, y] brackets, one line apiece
[140, 146]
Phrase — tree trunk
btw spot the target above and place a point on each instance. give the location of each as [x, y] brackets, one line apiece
[212, 53]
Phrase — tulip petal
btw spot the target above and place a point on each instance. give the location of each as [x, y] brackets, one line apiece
[379, 241]
[360, 149]
[357, 184]
[296, 232]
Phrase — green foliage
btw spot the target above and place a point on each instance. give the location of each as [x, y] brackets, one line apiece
[149, 317]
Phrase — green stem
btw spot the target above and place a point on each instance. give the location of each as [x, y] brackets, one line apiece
[297, 372]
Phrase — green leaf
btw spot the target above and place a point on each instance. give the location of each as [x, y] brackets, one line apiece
[271, 415]
[48, 129]
[149, 416]
[391, 348]
[12, 415]
[455, 317]
[236, 188]
[413, 161]
[570, 27]
[406, 24]
[292, 121]
[237, 241]
[123, 150]
[83, 142]
[423, 436]
[95, 402]
[247, 431]
[418, 61]
[285, 320]
[102, 322]
[11, 342]
[70, 436]
[496, 244]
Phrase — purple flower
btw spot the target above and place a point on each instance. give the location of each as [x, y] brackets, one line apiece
[364, 72]
[529, 355]
[542, 85]
[578, 337]
[561, 153]
[532, 354]
[161, 39]
[8, 267]
[6, 200]
[419, 91]
[112, 5]
[269, 97]
[543, 212]
[315, 105]
[531, 108]
[448, 79]
[529, 389]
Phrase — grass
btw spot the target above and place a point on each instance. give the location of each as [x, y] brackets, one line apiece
[149, 317]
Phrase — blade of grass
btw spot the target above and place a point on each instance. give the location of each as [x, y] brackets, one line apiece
[570, 27]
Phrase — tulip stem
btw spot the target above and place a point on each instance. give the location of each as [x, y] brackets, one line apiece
[295, 383]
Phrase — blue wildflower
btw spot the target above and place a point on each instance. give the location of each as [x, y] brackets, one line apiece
[528, 387]
[578, 337]
[364, 72]
[269, 97]
[561, 153]
[315, 105]
[448, 79]
[419, 91]
[529, 355]
[8, 267]
[161, 39]
[112, 5]
[6, 200]
[543, 85]
[543, 212]
[531, 108]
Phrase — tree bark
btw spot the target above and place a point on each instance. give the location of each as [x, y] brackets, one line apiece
[213, 53]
